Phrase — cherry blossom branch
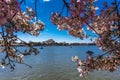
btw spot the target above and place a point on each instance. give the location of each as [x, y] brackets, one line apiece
[66, 5]
[117, 8]
[21, 1]
[21, 63]
[93, 29]
[36, 7]
[108, 51]
[6, 49]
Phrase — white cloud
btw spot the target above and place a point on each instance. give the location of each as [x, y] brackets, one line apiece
[46, 0]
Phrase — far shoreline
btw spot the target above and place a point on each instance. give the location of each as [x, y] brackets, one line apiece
[49, 42]
[72, 44]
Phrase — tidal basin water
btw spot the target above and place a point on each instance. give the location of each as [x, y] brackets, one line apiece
[54, 63]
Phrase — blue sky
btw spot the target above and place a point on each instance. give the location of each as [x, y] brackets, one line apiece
[44, 10]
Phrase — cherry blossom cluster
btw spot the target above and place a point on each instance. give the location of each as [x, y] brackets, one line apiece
[110, 63]
[13, 20]
[8, 8]
[81, 12]
[79, 64]
[106, 24]
[26, 22]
